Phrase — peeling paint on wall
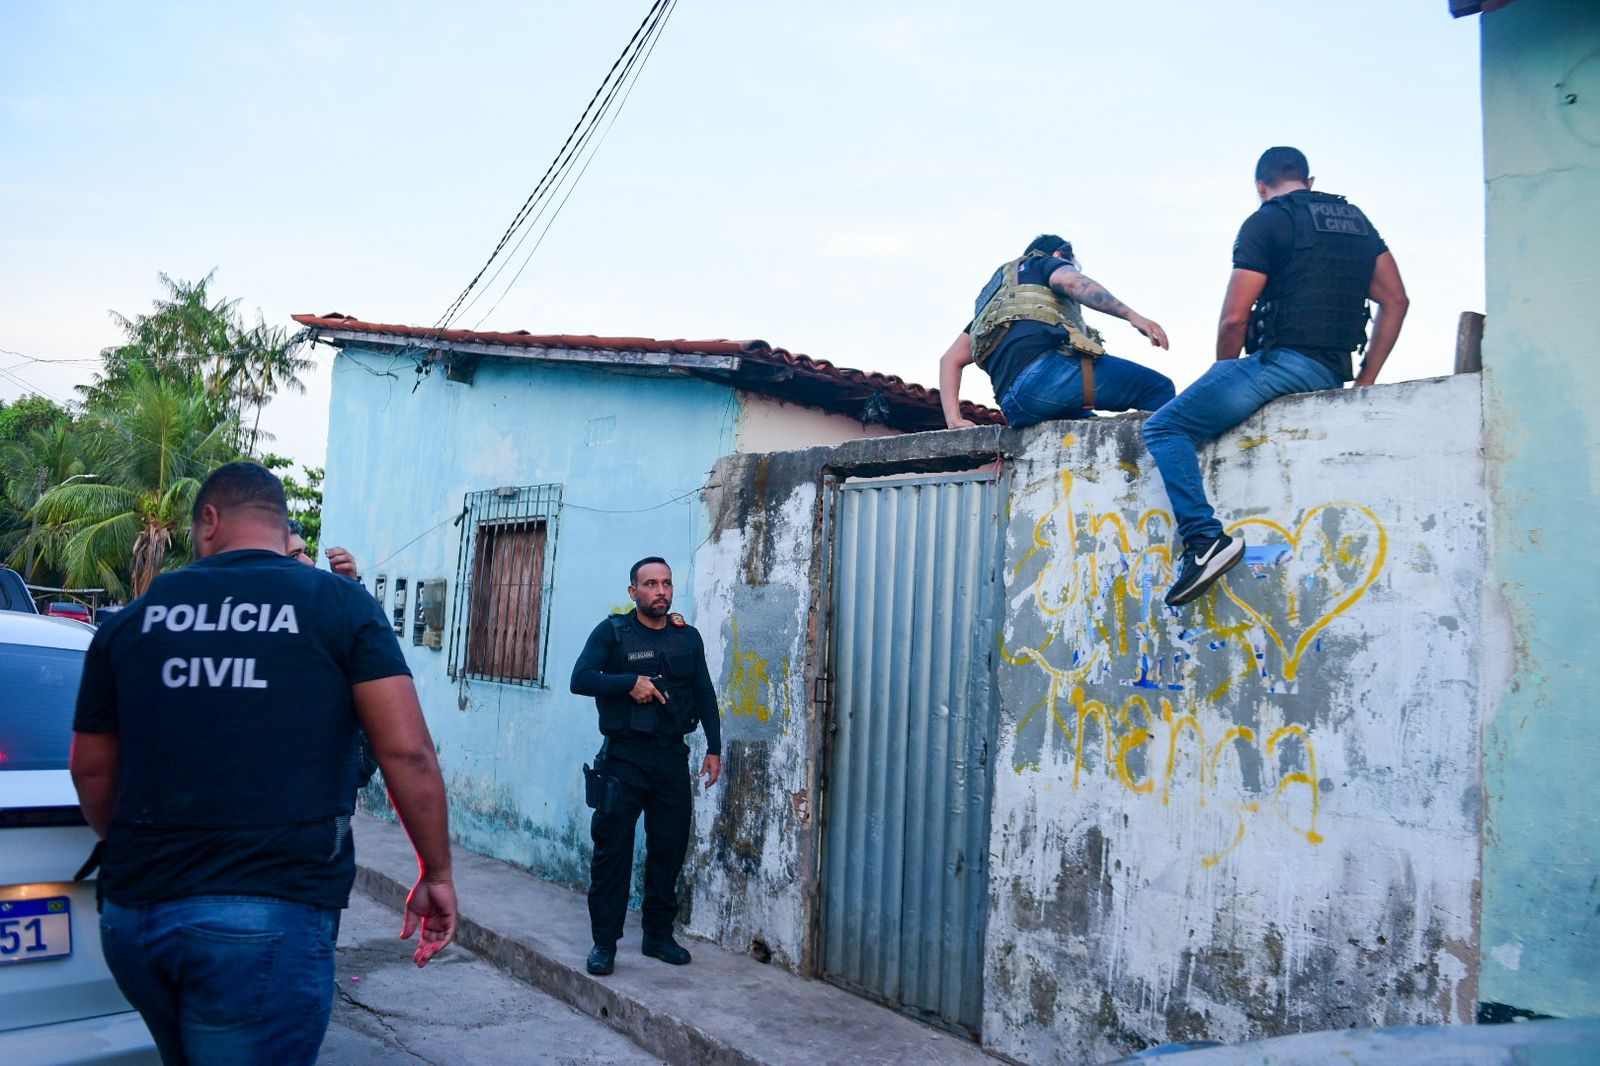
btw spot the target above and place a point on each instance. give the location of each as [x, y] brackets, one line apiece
[744, 873]
[1541, 896]
[1252, 816]
[1248, 816]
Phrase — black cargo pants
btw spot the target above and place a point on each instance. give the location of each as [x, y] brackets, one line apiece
[652, 773]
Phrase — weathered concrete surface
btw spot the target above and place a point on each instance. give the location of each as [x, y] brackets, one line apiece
[721, 1009]
[751, 876]
[1254, 816]
[1552, 1043]
[1541, 369]
[461, 1009]
[1258, 814]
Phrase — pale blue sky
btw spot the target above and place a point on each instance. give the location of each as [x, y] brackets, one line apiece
[837, 178]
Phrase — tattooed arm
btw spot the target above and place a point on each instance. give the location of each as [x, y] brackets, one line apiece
[1093, 295]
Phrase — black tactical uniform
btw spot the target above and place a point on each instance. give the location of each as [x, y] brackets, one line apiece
[1318, 254]
[644, 765]
[228, 686]
[1317, 251]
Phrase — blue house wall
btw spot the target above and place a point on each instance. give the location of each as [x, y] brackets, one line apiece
[630, 452]
[1541, 844]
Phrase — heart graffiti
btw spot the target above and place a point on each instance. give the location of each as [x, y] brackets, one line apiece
[1329, 567]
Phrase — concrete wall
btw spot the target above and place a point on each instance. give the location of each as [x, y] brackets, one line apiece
[1259, 814]
[399, 463]
[1254, 816]
[1541, 896]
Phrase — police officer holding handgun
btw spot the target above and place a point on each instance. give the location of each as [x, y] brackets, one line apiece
[647, 673]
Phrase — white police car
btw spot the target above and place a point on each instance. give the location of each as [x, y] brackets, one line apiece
[58, 1002]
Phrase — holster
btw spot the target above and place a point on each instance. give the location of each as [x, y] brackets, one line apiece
[600, 789]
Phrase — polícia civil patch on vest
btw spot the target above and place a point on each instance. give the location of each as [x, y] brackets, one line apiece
[209, 671]
[1339, 218]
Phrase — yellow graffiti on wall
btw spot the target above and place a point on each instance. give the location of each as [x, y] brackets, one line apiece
[748, 691]
[1174, 747]
[1096, 580]
[1088, 588]
[1341, 557]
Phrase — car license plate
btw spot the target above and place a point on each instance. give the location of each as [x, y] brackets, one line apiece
[35, 929]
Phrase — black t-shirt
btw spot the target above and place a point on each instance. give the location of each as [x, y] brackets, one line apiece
[1266, 241]
[228, 687]
[597, 674]
[1025, 341]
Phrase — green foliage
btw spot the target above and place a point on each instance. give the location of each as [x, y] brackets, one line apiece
[30, 465]
[98, 495]
[27, 414]
[188, 335]
[305, 496]
[120, 526]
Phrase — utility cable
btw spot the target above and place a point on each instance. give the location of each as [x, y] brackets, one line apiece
[647, 27]
[654, 39]
[652, 35]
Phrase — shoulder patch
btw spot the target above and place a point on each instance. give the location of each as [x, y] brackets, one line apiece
[677, 620]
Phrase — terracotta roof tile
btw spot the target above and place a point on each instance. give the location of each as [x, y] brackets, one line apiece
[816, 382]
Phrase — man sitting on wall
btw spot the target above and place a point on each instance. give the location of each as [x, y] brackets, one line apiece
[1304, 266]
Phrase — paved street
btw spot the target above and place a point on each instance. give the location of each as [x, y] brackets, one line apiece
[458, 1010]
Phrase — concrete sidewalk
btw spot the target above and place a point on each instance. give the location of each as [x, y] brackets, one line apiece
[722, 1008]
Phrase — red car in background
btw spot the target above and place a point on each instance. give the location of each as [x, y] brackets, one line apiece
[76, 611]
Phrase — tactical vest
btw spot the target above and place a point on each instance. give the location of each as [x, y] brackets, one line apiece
[1319, 300]
[1006, 300]
[674, 669]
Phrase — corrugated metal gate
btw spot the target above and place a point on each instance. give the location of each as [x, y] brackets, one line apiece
[906, 799]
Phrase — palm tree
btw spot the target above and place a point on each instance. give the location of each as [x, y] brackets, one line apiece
[185, 334]
[29, 467]
[189, 334]
[149, 452]
[268, 359]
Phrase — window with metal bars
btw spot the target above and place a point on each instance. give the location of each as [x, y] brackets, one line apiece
[508, 538]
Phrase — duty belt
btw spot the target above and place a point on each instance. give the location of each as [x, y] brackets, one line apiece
[652, 740]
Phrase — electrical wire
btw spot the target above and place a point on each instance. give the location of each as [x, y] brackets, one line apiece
[565, 506]
[639, 510]
[28, 386]
[527, 205]
[666, 14]
[648, 27]
[652, 35]
[413, 540]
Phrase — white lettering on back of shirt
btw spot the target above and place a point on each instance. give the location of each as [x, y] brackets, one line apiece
[207, 672]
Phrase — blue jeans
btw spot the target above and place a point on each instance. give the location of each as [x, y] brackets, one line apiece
[1052, 387]
[1227, 394]
[232, 980]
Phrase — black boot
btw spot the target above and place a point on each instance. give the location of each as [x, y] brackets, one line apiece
[602, 960]
[666, 949]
